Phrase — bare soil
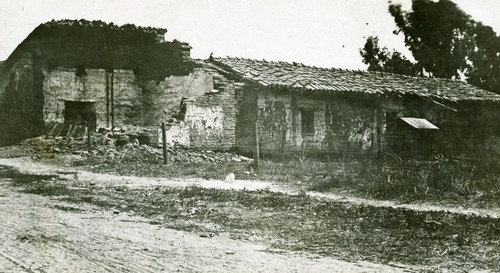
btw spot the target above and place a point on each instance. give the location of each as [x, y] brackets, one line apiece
[28, 165]
[45, 233]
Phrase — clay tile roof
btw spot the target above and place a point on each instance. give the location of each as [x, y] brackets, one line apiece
[300, 76]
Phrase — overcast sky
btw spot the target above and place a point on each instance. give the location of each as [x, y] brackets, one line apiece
[327, 33]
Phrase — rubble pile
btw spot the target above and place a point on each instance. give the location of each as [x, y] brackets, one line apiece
[173, 154]
[120, 136]
[122, 145]
[53, 145]
[123, 142]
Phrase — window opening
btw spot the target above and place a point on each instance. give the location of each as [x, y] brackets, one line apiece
[307, 117]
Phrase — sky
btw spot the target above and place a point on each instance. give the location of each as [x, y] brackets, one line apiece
[325, 33]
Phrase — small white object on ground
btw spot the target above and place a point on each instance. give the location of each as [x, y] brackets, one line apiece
[230, 178]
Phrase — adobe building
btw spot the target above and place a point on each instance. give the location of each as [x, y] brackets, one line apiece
[82, 72]
[72, 73]
[290, 107]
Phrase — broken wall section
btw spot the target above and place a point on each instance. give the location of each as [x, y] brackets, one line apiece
[20, 100]
[162, 98]
[207, 121]
[93, 63]
[63, 85]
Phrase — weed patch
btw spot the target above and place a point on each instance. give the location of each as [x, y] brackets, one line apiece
[142, 163]
[302, 223]
[460, 178]
[470, 180]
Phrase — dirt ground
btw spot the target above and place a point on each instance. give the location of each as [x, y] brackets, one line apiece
[27, 165]
[37, 236]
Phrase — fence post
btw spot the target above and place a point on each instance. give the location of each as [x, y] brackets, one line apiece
[164, 142]
[89, 144]
[257, 148]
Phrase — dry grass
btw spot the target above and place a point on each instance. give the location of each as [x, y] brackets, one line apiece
[438, 240]
[461, 179]
[142, 163]
[467, 180]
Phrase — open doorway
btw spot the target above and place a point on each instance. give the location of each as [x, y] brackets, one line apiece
[80, 112]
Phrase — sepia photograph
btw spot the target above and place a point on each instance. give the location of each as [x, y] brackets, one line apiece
[249, 136]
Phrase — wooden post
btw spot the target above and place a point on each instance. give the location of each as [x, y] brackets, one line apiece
[164, 142]
[106, 78]
[89, 144]
[257, 148]
[112, 100]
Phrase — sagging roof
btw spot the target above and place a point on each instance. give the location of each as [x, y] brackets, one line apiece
[299, 76]
[420, 123]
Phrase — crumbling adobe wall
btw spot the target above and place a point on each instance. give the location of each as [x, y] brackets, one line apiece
[351, 125]
[63, 84]
[74, 55]
[452, 120]
[68, 84]
[128, 108]
[134, 102]
[340, 125]
[246, 118]
[213, 120]
[20, 105]
[162, 98]
[275, 125]
[207, 121]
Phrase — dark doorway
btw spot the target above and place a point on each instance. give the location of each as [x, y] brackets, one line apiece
[80, 112]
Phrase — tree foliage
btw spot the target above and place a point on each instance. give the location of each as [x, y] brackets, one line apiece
[380, 59]
[444, 41]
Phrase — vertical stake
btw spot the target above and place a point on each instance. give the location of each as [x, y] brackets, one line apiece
[112, 100]
[257, 148]
[164, 142]
[89, 145]
[106, 79]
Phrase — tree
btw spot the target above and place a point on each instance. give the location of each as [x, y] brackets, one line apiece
[380, 59]
[444, 41]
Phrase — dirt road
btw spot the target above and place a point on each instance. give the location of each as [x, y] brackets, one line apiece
[44, 234]
[27, 165]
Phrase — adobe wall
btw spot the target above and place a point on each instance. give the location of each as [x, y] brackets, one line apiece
[66, 61]
[359, 124]
[276, 122]
[352, 125]
[66, 84]
[162, 99]
[453, 121]
[207, 121]
[340, 126]
[246, 118]
[134, 103]
[20, 103]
